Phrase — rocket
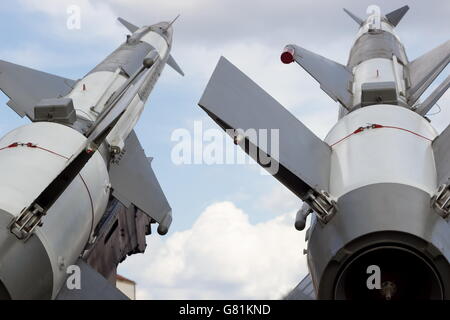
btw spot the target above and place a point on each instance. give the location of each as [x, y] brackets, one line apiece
[377, 188]
[77, 191]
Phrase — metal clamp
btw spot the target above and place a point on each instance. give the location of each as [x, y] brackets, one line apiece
[24, 224]
[322, 204]
[441, 201]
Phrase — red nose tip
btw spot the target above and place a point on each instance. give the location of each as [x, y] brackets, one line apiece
[287, 56]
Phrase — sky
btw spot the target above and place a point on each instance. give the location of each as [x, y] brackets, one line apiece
[232, 235]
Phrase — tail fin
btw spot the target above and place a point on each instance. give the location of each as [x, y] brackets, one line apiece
[171, 62]
[128, 25]
[395, 16]
[357, 19]
[425, 69]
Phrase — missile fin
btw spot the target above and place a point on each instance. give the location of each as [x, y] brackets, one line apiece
[131, 27]
[303, 291]
[357, 19]
[26, 87]
[171, 62]
[434, 97]
[134, 182]
[287, 149]
[396, 16]
[334, 78]
[441, 149]
[425, 69]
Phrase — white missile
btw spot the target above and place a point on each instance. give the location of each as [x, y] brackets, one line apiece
[378, 184]
[78, 156]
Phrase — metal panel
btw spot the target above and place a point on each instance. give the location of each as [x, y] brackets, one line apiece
[434, 97]
[395, 16]
[93, 287]
[129, 57]
[441, 149]
[357, 19]
[171, 62]
[334, 78]
[426, 68]
[380, 44]
[26, 87]
[133, 179]
[303, 291]
[131, 27]
[235, 102]
[388, 213]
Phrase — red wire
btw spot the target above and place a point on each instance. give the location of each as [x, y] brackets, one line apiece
[378, 126]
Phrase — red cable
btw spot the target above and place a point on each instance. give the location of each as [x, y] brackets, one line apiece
[378, 126]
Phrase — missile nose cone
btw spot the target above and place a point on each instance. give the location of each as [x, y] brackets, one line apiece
[287, 56]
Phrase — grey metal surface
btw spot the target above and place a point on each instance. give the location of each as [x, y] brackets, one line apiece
[303, 291]
[395, 16]
[378, 93]
[114, 110]
[434, 97]
[171, 62]
[128, 57]
[26, 87]
[377, 214]
[23, 264]
[133, 181]
[357, 19]
[377, 44]
[441, 149]
[235, 102]
[150, 81]
[93, 287]
[334, 78]
[56, 110]
[131, 27]
[426, 68]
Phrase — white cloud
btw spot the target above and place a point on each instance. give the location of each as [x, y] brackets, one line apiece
[222, 256]
[280, 199]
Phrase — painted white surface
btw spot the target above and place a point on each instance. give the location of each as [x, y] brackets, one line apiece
[25, 172]
[157, 41]
[126, 123]
[375, 70]
[382, 155]
[98, 87]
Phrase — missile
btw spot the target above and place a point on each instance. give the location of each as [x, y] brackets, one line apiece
[377, 188]
[76, 186]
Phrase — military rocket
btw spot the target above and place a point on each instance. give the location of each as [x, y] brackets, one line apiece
[76, 188]
[377, 187]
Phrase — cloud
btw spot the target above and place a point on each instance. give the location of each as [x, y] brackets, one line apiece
[280, 199]
[222, 256]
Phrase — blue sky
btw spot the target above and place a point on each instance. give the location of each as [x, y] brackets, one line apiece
[34, 34]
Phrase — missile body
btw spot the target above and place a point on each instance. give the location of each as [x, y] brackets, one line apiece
[61, 164]
[378, 184]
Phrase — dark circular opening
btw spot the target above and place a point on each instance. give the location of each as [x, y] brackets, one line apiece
[388, 273]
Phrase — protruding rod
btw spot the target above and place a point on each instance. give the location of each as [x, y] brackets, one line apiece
[434, 97]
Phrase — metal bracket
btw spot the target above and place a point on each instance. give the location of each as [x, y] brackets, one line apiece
[24, 224]
[322, 204]
[441, 201]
